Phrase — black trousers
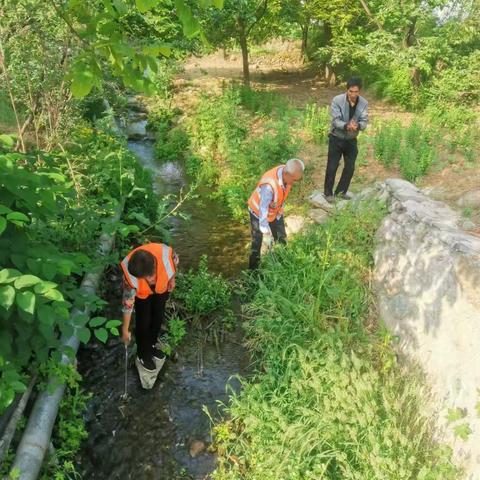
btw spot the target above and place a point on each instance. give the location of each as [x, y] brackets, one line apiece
[338, 147]
[149, 316]
[279, 235]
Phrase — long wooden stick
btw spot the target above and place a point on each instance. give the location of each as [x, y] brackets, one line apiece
[11, 427]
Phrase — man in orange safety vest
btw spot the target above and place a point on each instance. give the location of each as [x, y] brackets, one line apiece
[266, 206]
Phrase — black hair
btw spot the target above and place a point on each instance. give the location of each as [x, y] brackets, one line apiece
[141, 264]
[354, 82]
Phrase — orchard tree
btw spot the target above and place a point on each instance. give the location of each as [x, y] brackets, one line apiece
[241, 21]
[303, 14]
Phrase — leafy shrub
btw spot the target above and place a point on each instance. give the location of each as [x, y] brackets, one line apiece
[328, 399]
[388, 138]
[52, 207]
[263, 102]
[171, 144]
[396, 85]
[203, 293]
[69, 431]
[176, 332]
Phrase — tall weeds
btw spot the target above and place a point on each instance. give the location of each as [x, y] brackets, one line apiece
[413, 149]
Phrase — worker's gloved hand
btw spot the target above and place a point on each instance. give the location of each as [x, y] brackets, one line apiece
[126, 336]
[171, 284]
[268, 239]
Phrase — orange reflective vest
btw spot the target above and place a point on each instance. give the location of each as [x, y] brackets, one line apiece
[165, 269]
[280, 194]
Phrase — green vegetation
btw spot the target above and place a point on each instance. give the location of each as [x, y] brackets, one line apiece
[230, 151]
[69, 431]
[205, 295]
[328, 399]
[413, 149]
[317, 122]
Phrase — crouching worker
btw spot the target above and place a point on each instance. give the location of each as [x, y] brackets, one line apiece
[148, 278]
[266, 206]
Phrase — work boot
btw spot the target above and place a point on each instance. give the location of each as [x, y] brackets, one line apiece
[344, 196]
[330, 198]
[148, 364]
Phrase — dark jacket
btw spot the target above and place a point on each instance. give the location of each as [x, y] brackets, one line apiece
[340, 112]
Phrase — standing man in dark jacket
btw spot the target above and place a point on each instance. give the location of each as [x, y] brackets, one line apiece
[349, 112]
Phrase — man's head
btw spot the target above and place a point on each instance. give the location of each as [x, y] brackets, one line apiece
[293, 171]
[354, 85]
[142, 264]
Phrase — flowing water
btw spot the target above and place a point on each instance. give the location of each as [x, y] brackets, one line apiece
[209, 230]
[164, 433]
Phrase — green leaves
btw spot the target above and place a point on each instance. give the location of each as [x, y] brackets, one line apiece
[191, 25]
[3, 224]
[26, 281]
[7, 296]
[97, 321]
[26, 301]
[8, 275]
[46, 314]
[145, 5]
[84, 335]
[455, 414]
[82, 83]
[101, 334]
[7, 141]
[463, 431]
[18, 218]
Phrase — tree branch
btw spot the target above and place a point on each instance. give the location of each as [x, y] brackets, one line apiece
[262, 9]
[69, 24]
[370, 15]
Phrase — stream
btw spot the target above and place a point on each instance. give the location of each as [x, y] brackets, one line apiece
[163, 433]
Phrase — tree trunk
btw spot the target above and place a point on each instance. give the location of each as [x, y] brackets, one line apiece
[303, 50]
[246, 66]
[409, 39]
[330, 77]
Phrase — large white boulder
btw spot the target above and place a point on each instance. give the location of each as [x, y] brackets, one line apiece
[427, 279]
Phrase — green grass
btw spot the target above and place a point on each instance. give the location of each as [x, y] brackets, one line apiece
[328, 399]
[316, 122]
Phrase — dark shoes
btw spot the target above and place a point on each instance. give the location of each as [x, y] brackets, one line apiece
[344, 196]
[330, 198]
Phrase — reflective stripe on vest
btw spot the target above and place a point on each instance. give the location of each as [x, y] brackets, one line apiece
[133, 281]
[275, 208]
[165, 269]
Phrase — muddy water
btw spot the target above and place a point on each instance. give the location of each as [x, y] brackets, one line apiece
[163, 434]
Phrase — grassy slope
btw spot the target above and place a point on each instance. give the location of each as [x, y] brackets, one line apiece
[328, 399]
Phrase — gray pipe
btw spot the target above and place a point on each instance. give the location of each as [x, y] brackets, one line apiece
[36, 437]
